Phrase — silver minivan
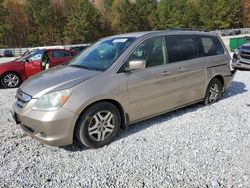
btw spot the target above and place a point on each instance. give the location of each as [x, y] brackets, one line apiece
[121, 80]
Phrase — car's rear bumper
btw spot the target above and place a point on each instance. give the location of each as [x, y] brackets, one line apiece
[53, 128]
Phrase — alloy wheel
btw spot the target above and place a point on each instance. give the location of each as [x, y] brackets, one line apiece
[214, 93]
[11, 80]
[101, 125]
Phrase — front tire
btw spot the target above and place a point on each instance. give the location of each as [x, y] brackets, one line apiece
[11, 80]
[98, 125]
[214, 91]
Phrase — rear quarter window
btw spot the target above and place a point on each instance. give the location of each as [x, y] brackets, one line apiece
[210, 46]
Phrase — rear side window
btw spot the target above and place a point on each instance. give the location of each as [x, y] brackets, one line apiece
[181, 47]
[210, 46]
[61, 53]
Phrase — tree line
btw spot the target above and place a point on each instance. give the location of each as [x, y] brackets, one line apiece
[52, 22]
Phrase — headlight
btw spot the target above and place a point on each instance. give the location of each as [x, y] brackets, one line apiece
[52, 101]
[236, 51]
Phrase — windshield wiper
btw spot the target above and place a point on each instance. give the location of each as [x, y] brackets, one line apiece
[80, 66]
[84, 67]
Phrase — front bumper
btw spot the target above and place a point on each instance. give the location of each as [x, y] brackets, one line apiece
[54, 128]
[241, 64]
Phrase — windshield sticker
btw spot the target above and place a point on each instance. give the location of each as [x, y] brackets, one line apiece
[119, 40]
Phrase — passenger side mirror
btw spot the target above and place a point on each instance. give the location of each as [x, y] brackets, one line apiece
[136, 65]
[27, 60]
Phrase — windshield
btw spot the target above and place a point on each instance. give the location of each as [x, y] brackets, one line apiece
[101, 55]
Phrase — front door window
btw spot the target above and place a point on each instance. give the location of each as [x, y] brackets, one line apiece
[152, 50]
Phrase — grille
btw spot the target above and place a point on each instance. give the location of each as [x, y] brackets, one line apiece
[22, 98]
[245, 55]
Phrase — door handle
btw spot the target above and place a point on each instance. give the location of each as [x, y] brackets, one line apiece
[181, 69]
[165, 73]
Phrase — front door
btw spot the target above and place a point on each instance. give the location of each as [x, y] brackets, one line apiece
[33, 63]
[147, 87]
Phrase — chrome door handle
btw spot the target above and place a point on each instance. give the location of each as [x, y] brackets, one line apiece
[181, 69]
[165, 73]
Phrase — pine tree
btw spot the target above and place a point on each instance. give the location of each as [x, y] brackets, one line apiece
[41, 16]
[83, 23]
[108, 4]
[124, 16]
[191, 17]
[235, 14]
[129, 16]
[4, 27]
[170, 14]
[145, 11]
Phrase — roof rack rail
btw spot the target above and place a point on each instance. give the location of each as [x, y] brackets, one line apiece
[188, 29]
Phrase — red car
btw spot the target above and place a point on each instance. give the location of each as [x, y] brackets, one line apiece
[13, 73]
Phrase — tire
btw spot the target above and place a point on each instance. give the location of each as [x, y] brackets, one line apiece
[11, 80]
[214, 91]
[98, 125]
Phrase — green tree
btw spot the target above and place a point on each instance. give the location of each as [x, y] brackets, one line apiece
[40, 17]
[4, 27]
[124, 16]
[128, 16]
[83, 23]
[170, 14]
[145, 10]
[236, 13]
[220, 14]
[191, 17]
[108, 4]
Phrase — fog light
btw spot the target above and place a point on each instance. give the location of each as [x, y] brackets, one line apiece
[41, 134]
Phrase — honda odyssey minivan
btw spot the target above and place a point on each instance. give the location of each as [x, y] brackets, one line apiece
[121, 80]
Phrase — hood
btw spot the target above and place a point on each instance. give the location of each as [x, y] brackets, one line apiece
[10, 63]
[56, 78]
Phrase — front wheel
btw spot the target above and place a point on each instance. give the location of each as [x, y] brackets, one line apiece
[98, 125]
[10, 80]
[214, 91]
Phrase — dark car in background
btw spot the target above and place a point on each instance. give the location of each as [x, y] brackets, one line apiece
[13, 73]
[241, 57]
[8, 53]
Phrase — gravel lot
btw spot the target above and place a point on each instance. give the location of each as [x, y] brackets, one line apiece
[196, 146]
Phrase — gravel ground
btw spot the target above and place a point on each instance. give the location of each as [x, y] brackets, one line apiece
[196, 146]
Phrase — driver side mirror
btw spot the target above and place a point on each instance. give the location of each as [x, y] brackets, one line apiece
[27, 60]
[136, 65]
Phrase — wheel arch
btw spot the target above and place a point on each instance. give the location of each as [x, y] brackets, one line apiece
[220, 78]
[124, 115]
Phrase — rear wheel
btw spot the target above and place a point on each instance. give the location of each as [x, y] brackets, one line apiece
[214, 91]
[10, 80]
[98, 125]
